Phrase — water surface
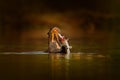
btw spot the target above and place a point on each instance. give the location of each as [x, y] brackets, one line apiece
[43, 66]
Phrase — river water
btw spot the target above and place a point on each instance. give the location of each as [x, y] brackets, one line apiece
[91, 58]
[38, 65]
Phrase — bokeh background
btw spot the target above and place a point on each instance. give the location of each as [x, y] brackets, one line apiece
[89, 24]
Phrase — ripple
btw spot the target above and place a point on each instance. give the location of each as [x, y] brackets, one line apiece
[32, 52]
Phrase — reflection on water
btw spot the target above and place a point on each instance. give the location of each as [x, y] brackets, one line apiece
[59, 67]
[79, 66]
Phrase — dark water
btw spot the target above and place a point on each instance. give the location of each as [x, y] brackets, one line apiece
[78, 66]
[92, 58]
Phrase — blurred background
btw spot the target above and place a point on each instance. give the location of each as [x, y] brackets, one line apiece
[89, 24]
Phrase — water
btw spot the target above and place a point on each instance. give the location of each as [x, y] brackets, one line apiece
[95, 57]
[43, 66]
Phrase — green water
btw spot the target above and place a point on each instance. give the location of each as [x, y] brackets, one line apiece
[57, 67]
[92, 58]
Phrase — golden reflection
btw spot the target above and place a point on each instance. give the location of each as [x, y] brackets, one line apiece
[89, 57]
[59, 66]
[76, 56]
